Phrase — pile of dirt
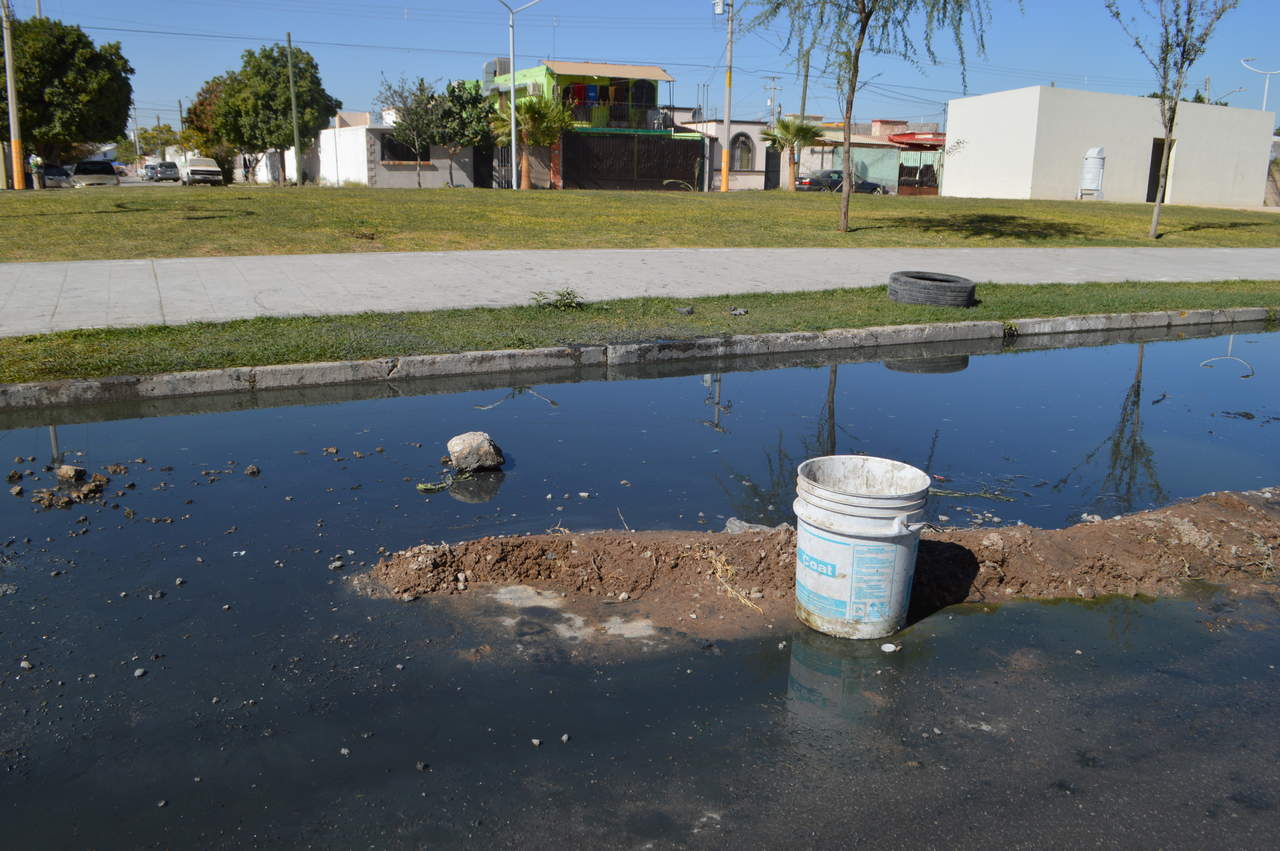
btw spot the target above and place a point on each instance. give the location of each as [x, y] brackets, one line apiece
[1225, 538]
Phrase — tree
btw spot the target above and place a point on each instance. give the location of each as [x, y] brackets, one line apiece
[794, 137]
[69, 90]
[415, 106]
[463, 119]
[200, 131]
[153, 140]
[1183, 30]
[539, 121]
[253, 110]
[882, 27]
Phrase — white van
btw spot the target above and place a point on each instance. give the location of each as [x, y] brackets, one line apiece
[199, 170]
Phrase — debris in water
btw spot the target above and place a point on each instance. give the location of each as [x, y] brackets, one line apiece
[888, 648]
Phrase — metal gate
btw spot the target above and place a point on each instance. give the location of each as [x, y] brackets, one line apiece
[630, 161]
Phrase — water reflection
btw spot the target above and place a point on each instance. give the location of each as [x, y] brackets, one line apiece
[1130, 478]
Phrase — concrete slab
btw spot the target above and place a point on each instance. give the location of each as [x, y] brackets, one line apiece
[40, 297]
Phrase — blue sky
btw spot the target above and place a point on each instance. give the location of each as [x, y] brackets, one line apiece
[1071, 42]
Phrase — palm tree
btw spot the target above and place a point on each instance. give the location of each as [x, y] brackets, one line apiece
[794, 135]
[539, 121]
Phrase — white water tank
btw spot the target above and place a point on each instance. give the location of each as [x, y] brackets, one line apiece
[1091, 173]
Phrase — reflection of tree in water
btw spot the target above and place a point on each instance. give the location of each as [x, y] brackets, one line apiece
[770, 503]
[1131, 479]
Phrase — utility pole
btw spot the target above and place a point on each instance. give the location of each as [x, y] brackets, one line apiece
[15, 131]
[293, 105]
[137, 146]
[726, 7]
[775, 108]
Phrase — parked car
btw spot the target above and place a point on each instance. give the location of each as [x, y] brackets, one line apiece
[93, 173]
[166, 171]
[56, 177]
[831, 180]
[149, 171]
[200, 170]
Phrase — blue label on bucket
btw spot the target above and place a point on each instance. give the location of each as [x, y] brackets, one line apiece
[817, 565]
[820, 604]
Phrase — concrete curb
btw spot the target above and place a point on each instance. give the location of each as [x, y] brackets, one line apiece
[91, 391]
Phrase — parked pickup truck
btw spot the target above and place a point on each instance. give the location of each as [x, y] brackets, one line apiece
[199, 170]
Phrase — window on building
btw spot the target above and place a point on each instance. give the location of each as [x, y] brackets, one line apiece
[741, 153]
[398, 152]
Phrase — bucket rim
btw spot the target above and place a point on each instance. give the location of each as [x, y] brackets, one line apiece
[802, 475]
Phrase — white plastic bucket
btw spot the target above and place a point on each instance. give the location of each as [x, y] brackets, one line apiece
[859, 522]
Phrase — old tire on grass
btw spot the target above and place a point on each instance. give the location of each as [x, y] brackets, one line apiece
[931, 288]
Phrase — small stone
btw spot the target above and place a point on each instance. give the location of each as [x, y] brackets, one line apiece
[215, 700]
[421, 766]
[889, 648]
[16, 490]
[693, 616]
[336, 564]
[253, 470]
[942, 518]
[564, 739]
[345, 751]
[537, 743]
[25, 665]
[139, 673]
[226, 607]
[624, 596]
[462, 577]
[162, 803]
[583, 495]
[70, 472]
[179, 581]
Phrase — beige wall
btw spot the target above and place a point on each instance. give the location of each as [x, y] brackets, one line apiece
[991, 143]
[1030, 143]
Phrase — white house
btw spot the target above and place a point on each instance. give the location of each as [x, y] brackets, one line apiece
[747, 151]
[355, 150]
[1031, 143]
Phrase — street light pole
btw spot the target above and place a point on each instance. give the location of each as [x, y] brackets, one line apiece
[1266, 77]
[15, 133]
[511, 55]
[727, 130]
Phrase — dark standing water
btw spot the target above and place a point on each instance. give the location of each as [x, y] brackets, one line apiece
[261, 666]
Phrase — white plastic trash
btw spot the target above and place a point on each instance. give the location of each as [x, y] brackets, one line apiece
[859, 522]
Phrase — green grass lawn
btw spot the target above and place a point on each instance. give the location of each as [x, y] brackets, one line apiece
[255, 342]
[136, 222]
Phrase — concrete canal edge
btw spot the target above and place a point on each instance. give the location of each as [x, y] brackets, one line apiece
[92, 391]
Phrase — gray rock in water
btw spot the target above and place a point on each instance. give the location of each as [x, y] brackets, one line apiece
[734, 526]
[474, 450]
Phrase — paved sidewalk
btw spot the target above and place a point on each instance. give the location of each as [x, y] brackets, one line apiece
[42, 297]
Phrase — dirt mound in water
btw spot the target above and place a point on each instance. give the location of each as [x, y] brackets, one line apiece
[1225, 538]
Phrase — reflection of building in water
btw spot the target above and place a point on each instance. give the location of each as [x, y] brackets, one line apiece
[713, 385]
